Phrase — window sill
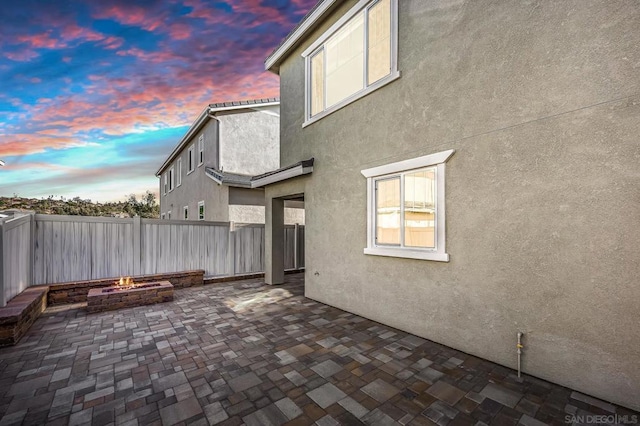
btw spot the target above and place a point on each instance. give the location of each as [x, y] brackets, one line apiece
[407, 253]
[200, 164]
[375, 86]
[191, 171]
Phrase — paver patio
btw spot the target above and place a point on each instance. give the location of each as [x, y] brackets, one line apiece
[244, 352]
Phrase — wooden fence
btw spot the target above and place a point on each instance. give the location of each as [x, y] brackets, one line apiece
[47, 249]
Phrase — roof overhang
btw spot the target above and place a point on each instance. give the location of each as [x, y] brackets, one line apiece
[228, 179]
[299, 169]
[214, 175]
[215, 108]
[308, 23]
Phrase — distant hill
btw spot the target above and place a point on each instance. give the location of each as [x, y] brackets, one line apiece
[147, 207]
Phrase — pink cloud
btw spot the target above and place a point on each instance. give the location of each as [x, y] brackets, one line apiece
[24, 55]
[42, 40]
[131, 15]
[75, 32]
[179, 31]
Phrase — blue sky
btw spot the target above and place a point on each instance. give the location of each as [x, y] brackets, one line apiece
[94, 95]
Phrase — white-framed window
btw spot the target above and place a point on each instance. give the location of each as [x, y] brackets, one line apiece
[406, 208]
[201, 210]
[169, 215]
[179, 175]
[166, 184]
[191, 161]
[185, 212]
[172, 179]
[200, 150]
[354, 57]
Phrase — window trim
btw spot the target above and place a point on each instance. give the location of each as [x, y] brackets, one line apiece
[385, 171]
[200, 150]
[316, 46]
[165, 185]
[201, 204]
[172, 179]
[191, 160]
[179, 162]
[185, 213]
[169, 215]
[162, 216]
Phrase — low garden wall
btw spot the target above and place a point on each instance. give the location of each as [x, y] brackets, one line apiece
[76, 292]
[20, 314]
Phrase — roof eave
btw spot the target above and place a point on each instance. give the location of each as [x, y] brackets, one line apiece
[273, 61]
[213, 110]
[213, 177]
[301, 169]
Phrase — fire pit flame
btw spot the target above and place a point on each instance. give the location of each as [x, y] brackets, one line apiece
[125, 282]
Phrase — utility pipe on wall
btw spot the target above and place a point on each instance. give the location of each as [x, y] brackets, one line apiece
[519, 346]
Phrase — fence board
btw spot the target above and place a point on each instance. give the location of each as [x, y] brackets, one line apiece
[300, 246]
[15, 256]
[249, 249]
[289, 246]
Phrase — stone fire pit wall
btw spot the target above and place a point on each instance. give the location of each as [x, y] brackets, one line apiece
[76, 292]
[101, 299]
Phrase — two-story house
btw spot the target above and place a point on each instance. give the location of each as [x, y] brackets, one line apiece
[522, 118]
[208, 174]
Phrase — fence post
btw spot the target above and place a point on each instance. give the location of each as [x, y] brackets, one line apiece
[3, 302]
[295, 246]
[137, 259]
[231, 258]
[32, 250]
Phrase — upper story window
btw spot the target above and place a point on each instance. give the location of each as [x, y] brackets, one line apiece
[179, 175]
[200, 150]
[185, 212]
[356, 56]
[406, 215]
[191, 161]
[166, 184]
[172, 178]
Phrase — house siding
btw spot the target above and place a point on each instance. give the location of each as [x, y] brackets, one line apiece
[249, 142]
[196, 186]
[540, 101]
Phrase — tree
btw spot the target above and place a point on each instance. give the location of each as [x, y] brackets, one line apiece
[146, 207]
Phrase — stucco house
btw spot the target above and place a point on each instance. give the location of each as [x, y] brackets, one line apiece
[208, 174]
[522, 118]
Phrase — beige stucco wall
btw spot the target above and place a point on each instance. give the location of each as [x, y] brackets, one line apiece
[540, 100]
[249, 142]
[256, 214]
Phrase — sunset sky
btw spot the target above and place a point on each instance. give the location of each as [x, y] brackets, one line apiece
[95, 94]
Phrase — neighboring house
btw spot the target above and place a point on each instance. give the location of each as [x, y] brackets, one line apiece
[208, 174]
[530, 112]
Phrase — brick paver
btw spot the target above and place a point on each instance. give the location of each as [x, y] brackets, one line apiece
[247, 353]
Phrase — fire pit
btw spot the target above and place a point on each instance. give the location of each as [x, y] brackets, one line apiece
[125, 294]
